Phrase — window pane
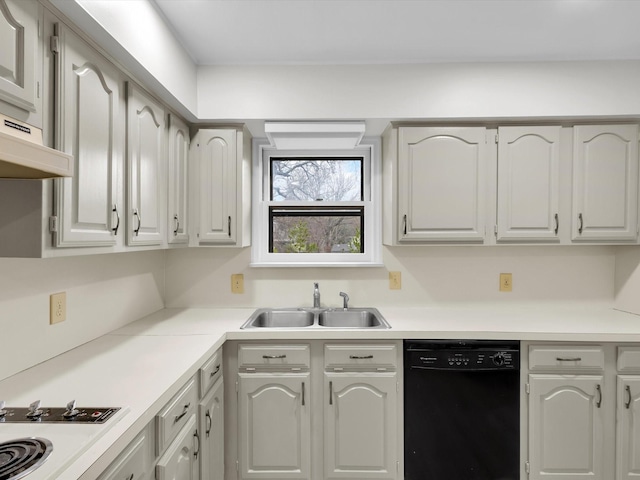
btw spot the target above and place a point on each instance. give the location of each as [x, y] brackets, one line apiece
[316, 231]
[306, 179]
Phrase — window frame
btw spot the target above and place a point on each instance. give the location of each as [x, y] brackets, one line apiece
[369, 150]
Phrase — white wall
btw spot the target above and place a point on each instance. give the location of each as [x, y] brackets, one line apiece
[627, 279]
[439, 91]
[430, 275]
[104, 292]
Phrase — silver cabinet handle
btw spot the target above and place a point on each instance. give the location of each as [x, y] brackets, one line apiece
[627, 404]
[229, 225]
[303, 394]
[184, 412]
[581, 223]
[404, 225]
[599, 401]
[137, 215]
[177, 220]
[330, 393]
[569, 359]
[115, 229]
[209, 423]
[360, 357]
[197, 449]
[215, 371]
[268, 357]
[557, 224]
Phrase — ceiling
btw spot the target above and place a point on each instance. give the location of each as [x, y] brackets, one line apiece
[289, 32]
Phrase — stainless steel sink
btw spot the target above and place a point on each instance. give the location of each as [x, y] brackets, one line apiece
[352, 318]
[314, 317]
[280, 318]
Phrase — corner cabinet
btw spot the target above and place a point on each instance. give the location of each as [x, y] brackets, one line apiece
[88, 101]
[605, 183]
[146, 166]
[177, 206]
[19, 62]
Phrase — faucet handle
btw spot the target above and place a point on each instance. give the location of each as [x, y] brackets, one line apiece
[345, 298]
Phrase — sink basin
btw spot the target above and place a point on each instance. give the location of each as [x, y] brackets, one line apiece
[314, 317]
[280, 318]
[352, 318]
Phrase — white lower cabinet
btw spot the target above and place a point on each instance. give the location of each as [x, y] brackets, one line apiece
[360, 422]
[180, 461]
[324, 410]
[135, 462]
[211, 420]
[628, 428]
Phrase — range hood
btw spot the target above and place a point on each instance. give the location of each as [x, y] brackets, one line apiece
[22, 154]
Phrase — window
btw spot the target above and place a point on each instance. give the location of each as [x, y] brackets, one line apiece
[316, 207]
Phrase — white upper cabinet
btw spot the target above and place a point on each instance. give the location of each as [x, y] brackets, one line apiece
[225, 188]
[146, 165]
[605, 183]
[528, 184]
[178, 219]
[19, 53]
[441, 184]
[88, 97]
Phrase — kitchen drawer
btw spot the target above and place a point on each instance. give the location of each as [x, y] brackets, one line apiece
[628, 358]
[176, 414]
[360, 357]
[210, 372]
[132, 463]
[566, 357]
[273, 357]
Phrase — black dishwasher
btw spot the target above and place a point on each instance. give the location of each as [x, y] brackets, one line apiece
[461, 410]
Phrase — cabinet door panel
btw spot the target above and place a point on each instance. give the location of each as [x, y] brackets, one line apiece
[628, 428]
[566, 427]
[605, 182]
[442, 183]
[360, 426]
[274, 420]
[178, 162]
[18, 55]
[212, 434]
[218, 186]
[528, 183]
[88, 108]
[179, 462]
[146, 164]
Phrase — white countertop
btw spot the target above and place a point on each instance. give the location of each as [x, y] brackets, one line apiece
[141, 366]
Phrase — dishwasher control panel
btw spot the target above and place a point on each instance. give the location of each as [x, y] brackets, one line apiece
[461, 357]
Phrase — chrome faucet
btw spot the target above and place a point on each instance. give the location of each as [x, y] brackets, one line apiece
[345, 300]
[316, 295]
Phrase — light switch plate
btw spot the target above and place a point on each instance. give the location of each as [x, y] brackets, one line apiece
[506, 282]
[237, 283]
[395, 280]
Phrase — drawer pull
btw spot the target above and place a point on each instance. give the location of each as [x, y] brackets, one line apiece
[184, 412]
[569, 359]
[271, 357]
[599, 401]
[209, 423]
[360, 357]
[215, 371]
[627, 404]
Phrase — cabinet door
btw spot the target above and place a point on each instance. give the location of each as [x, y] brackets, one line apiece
[360, 432]
[605, 182]
[566, 427]
[178, 157]
[19, 52]
[218, 170]
[528, 183]
[180, 461]
[211, 414]
[88, 96]
[628, 428]
[441, 173]
[146, 164]
[275, 425]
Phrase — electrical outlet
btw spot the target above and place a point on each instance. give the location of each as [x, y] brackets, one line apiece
[395, 280]
[57, 307]
[237, 283]
[506, 283]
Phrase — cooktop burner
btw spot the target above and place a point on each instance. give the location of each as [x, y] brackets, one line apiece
[22, 456]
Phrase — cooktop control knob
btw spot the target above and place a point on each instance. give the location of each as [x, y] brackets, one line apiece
[71, 410]
[34, 410]
[3, 412]
[498, 359]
